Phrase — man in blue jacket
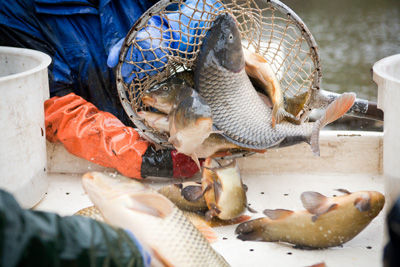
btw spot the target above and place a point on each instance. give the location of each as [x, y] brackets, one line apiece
[79, 35]
[85, 114]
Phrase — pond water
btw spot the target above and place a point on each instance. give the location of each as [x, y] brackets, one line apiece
[352, 35]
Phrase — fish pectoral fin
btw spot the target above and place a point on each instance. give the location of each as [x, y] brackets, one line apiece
[192, 193]
[322, 212]
[209, 215]
[279, 113]
[152, 204]
[363, 203]
[313, 201]
[277, 214]
[250, 209]
[344, 191]
[196, 160]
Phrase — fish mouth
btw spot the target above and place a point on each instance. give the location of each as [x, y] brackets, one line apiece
[238, 69]
[149, 100]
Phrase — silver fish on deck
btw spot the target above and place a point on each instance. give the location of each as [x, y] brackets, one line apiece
[156, 222]
[237, 110]
[326, 222]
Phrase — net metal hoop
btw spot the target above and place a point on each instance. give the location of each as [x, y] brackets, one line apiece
[268, 31]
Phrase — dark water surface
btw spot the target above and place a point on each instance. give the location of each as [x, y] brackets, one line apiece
[352, 35]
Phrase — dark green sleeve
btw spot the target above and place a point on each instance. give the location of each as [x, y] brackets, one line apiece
[34, 238]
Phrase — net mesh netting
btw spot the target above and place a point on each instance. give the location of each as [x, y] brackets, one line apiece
[167, 39]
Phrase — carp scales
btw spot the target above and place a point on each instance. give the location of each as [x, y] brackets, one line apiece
[154, 220]
[223, 190]
[237, 110]
[326, 222]
[258, 68]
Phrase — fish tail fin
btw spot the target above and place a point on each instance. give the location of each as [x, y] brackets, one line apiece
[255, 230]
[334, 111]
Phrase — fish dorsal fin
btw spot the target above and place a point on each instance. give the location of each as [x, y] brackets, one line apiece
[277, 214]
[363, 203]
[323, 211]
[192, 192]
[313, 201]
[344, 191]
[152, 204]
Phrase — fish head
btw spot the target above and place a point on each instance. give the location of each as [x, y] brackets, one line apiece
[163, 95]
[102, 187]
[371, 202]
[134, 198]
[192, 115]
[223, 40]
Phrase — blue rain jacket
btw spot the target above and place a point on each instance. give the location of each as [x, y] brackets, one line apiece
[78, 35]
[81, 34]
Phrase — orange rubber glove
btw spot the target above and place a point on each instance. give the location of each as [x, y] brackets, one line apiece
[101, 138]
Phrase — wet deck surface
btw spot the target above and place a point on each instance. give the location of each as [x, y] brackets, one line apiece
[66, 196]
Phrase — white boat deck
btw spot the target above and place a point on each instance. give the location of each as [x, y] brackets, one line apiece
[276, 179]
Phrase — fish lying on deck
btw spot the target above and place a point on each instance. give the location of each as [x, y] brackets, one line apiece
[237, 110]
[194, 210]
[223, 190]
[260, 70]
[156, 222]
[327, 222]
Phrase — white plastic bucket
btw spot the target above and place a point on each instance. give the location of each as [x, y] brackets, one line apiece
[386, 74]
[23, 88]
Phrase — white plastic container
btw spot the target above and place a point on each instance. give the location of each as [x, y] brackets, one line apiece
[23, 88]
[386, 74]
